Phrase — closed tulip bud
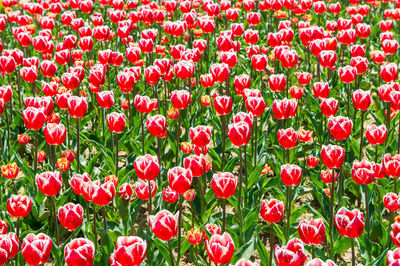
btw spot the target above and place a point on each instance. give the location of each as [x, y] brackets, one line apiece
[244, 262]
[102, 194]
[360, 63]
[186, 147]
[391, 165]
[164, 225]
[194, 236]
[272, 210]
[224, 185]
[55, 133]
[36, 248]
[363, 172]
[289, 58]
[169, 195]
[291, 254]
[205, 100]
[223, 105]
[391, 201]
[77, 106]
[340, 127]
[216, 244]
[200, 135]
[179, 179]
[196, 163]
[69, 155]
[220, 72]
[329, 106]
[125, 191]
[304, 78]
[23, 139]
[312, 232]
[180, 99]
[143, 104]
[142, 189]
[395, 234]
[10, 170]
[3, 227]
[291, 174]
[41, 156]
[129, 250]
[49, 183]
[388, 72]
[80, 251]
[255, 105]
[287, 138]
[327, 58]
[239, 133]
[326, 176]
[184, 69]
[349, 223]
[332, 156]
[312, 161]
[304, 135]
[34, 118]
[285, 108]
[157, 126]
[70, 215]
[347, 74]
[146, 167]
[116, 122]
[361, 99]
[321, 90]
[242, 116]
[376, 134]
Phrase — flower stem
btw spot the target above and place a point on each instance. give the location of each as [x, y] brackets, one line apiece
[36, 151]
[77, 145]
[116, 155]
[223, 215]
[104, 218]
[353, 254]
[142, 122]
[223, 122]
[179, 227]
[170, 253]
[94, 225]
[288, 206]
[271, 244]
[53, 206]
[331, 209]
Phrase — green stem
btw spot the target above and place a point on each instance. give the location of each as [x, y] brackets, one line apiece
[331, 210]
[94, 225]
[171, 255]
[271, 244]
[288, 206]
[55, 219]
[179, 228]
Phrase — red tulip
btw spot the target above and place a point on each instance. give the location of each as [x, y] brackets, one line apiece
[146, 167]
[291, 254]
[393, 257]
[220, 72]
[125, 191]
[388, 72]
[361, 99]
[349, 223]
[340, 127]
[277, 82]
[391, 201]
[180, 99]
[36, 248]
[289, 59]
[291, 174]
[303, 78]
[220, 248]
[287, 138]
[3, 227]
[255, 105]
[391, 165]
[321, 90]
[184, 69]
[196, 163]
[363, 172]
[332, 156]
[49, 183]
[116, 122]
[239, 133]
[304, 135]
[194, 236]
[80, 251]
[312, 161]
[10, 170]
[242, 116]
[285, 108]
[55, 133]
[169, 195]
[327, 58]
[129, 250]
[312, 232]
[272, 210]
[142, 189]
[34, 118]
[347, 74]
[157, 126]
[102, 194]
[70, 215]
[179, 179]
[360, 63]
[259, 62]
[395, 234]
[223, 105]
[224, 185]
[326, 176]
[5, 247]
[200, 135]
[144, 104]
[77, 106]
[164, 225]
[329, 106]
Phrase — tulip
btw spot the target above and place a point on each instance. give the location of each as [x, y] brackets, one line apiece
[349, 224]
[224, 186]
[129, 250]
[312, 232]
[394, 235]
[393, 257]
[216, 244]
[116, 123]
[5, 247]
[80, 251]
[142, 189]
[194, 236]
[165, 226]
[391, 201]
[291, 254]
[319, 262]
[70, 216]
[272, 211]
[223, 106]
[36, 248]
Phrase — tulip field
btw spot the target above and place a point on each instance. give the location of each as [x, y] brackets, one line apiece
[199, 132]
